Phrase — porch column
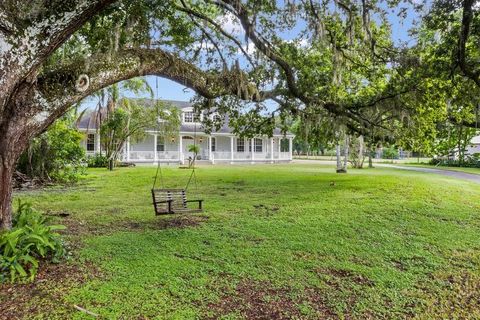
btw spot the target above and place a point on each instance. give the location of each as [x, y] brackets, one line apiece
[231, 149]
[97, 143]
[210, 149]
[290, 148]
[128, 149]
[271, 150]
[180, 149]
[253, 149]
[279, 147]
[155, 139]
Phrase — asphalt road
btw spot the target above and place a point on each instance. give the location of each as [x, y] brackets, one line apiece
[450, 173]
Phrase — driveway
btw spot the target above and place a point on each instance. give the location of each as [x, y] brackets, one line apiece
[449, 173]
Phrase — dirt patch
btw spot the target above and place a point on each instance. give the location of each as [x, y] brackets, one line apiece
[262, 209]
[46, 294]
[256, 300]
[77, 228]
[334, 275]
[456, 296]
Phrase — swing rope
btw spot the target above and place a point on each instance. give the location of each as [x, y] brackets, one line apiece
[193, 175]
[159, 168]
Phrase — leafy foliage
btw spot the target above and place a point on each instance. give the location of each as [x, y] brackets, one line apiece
[31, 239]
[56, 154]
[97, 161]
[131, 118]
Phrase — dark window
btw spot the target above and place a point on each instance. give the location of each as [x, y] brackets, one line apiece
[258, 145]
[213, 144]
[160, 144]
[240, 145]
[188, 117]
[90, 142]
[284, 145]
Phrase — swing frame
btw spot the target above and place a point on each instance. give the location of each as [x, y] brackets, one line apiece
[171, 201]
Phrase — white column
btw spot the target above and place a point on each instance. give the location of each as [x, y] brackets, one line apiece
[180, 149]
[290, 147]
[210, 149]
[97, 143]
[279, 147]
[128, 149]
[155, 139]
[253, 148]
[271, 150]
[231, 149]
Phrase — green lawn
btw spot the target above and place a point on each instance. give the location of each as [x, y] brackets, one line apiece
[275, 242]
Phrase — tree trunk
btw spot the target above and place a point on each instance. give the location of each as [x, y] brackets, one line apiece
[6, 175]
[14, 137]
[339, 160]
[347, 153]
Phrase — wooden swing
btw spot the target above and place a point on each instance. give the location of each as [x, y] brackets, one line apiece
[171, 201]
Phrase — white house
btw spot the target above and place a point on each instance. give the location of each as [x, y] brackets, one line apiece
[219, 146]
[474, 146]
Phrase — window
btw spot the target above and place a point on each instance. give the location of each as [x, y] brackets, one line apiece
[214, 143]
[240, 145]
[258, 145]
[160, 144]
[90, 142]
[191, 117]
[217, 118]
[188, 117]
[284, 145]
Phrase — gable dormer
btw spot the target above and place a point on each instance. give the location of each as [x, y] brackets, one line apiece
[189, 116]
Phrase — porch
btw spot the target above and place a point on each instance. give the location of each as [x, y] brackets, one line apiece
[212, 148]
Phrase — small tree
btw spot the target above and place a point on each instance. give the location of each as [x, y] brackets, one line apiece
[131, 120]
[195, 149]
[357, 154]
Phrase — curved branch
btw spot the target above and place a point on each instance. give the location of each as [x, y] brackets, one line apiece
[193, 13]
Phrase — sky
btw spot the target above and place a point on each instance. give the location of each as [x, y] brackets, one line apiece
[169, 90]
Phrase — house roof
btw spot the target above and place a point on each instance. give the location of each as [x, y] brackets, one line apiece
[87, 122]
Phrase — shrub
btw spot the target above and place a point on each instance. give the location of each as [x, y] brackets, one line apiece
[31, 239]
[56, 155]
[470, 161]
[390, 153]
[97, 161]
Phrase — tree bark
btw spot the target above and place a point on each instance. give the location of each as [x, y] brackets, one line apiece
[6, 175]
[10, 150]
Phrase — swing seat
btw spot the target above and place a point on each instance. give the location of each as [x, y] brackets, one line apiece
[170, 201]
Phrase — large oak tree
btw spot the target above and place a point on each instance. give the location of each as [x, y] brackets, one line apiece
[54, 53]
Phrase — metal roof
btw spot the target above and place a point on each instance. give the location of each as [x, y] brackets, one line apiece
[87, 121]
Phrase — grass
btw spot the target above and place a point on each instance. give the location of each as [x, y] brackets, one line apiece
[460, 169]
[275, 241]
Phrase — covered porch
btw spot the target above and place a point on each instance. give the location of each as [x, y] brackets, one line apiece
[212, 148]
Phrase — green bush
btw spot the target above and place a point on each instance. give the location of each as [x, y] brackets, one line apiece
[31, 239]
[56, 155]
[471, 161]
[97, 161]
[390, 153]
